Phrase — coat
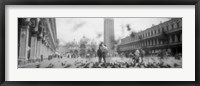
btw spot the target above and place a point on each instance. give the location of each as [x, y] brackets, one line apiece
[99, 53]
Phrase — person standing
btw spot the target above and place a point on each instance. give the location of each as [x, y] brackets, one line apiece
[99, 53]
[137, 55]
[142, 54]
[161, 54]
[104, 52]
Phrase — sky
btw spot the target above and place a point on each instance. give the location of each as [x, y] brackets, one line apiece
[70, 29]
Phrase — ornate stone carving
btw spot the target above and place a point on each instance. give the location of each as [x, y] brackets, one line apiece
[23, 22]
[41, 29]
[33, 26]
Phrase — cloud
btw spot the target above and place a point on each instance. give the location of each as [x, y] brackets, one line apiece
[122, 29]
[77, 26]
[99, 35]
[69, 20]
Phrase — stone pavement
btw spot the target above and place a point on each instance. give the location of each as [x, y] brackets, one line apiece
[112, 62]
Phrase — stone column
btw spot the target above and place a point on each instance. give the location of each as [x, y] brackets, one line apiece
[38, 49]
[41, 26]
[170, 39]
[175, 38]
[33, 54]
[181, 37]
[23, 46]
[34, 30]
[46, 52]
[170, 27]
[42, 51]
[153, 41]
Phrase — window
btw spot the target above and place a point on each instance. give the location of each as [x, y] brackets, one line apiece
[154, 32]
[179, 24]
[150, 43]
[172, 26]
[146, 34]
[143, 35]
[145, 44]
[158, 42]
[157, 31]
[142, 44]
[166, 28]
[175, 26]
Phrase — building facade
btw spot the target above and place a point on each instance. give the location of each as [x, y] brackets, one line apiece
[37, 39]
[109, 38]
[165, 36]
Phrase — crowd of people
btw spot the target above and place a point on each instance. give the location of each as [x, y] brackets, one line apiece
[103, 51]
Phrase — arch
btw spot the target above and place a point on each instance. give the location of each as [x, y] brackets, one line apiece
[170, 39]
[166, 27]
[157, 29]
[169, 26]
[157, 42]
[162, 29]
[161, 42]
[143, 35]
[175, 26]
[175, 38]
